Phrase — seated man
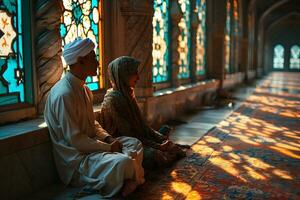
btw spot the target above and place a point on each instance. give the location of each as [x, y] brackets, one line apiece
[120, 115]
[85, 154]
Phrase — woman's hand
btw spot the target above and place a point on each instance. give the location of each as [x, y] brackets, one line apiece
[166, 145]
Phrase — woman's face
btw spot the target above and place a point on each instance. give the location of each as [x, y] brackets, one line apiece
[133, 79]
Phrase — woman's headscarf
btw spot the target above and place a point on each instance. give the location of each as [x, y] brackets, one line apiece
[120, 70]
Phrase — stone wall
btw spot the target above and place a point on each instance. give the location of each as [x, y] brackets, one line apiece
[48, 44]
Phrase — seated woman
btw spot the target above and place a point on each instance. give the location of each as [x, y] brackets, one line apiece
[120, 115]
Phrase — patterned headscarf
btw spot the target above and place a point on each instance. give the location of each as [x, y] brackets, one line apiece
[120, 70]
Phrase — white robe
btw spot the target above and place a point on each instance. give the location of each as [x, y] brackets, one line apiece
[80, 155]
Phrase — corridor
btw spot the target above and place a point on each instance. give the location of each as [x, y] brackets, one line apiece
[223, 74]
[252, 154]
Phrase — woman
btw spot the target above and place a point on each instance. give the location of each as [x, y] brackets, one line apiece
[120, 115]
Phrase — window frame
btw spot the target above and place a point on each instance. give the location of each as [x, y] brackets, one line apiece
[28, 109]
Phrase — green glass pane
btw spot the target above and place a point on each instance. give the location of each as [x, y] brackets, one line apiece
[81, 19]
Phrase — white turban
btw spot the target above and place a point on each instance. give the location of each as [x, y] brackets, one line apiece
[78, 48]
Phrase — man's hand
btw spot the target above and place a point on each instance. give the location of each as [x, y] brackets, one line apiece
[166, 145]
[109, 139]
[116, 146]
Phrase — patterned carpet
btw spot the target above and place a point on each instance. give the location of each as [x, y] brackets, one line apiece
[253, 154]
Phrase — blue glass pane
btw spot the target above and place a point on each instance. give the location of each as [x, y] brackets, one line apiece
[184, 40]
[201, 37]
[227, 36]
[82, 19]
[278, 59]
[295, 57]
[160, 51]
[11, 53]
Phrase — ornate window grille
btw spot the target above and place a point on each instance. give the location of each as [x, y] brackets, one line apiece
[228, 37]
[160, 52]
[184, 40]
[16, 87]
[278, 59]
[201, 37]
[295, 57]
[83, 18]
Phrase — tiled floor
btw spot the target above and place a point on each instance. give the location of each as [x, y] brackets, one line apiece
[198, 123]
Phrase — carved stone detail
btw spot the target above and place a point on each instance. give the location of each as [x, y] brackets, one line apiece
[137, 18]
[136, 7]
[49, 67]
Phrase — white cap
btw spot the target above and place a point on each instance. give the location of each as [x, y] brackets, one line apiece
[77, 48]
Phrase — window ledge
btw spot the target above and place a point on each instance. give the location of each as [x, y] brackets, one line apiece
[183, 87]
[22, 135]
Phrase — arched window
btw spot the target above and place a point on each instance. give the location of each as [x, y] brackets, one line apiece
[84, 19]
[15, 55]
[160, 44]
[227, 36]
[295, 57]
[184, 40]
[201, 37]
[278, 59]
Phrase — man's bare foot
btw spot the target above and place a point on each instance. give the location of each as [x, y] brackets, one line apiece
[129, 187]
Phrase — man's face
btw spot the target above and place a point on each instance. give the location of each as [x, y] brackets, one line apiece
[90, 64]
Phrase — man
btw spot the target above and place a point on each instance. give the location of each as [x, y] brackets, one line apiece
[85, 154]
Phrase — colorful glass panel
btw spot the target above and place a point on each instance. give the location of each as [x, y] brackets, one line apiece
[278, 59]
[227, 36]
[295, 57]
[236, 17]
[82, 18]
[160, 44]
[184, 40]
[11, 53]
[201, 37]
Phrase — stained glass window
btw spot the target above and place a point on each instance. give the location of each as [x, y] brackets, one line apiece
[227, 36]
[160, 44]
[12, 72]
[82, 18]
[295, 57]
[236, 17]
[278, 59]
[201, 37]
[184, 40]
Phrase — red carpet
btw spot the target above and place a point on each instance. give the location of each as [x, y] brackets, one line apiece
[253, 154]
